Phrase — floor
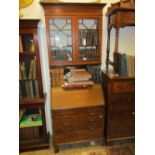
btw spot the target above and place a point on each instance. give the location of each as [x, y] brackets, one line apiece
[88, 149]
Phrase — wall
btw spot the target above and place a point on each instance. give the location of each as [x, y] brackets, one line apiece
[126, 44]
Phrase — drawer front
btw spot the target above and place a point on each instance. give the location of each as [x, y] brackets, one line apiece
[121, 124]
[74, 112]
[79, 135]
[123, 87]
[122, 102]
[81, 126]
[80, 120]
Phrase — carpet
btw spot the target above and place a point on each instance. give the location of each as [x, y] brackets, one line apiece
[121, 150]
[95, 150]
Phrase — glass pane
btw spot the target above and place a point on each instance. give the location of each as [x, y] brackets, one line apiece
[88, 39]
[26, 43]
[61, 39]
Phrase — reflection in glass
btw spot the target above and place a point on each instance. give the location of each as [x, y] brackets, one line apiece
[61, 39]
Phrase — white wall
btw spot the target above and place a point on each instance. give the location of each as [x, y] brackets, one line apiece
[126, 44]
[126, 37]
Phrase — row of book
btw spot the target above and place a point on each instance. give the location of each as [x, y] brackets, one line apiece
[88, 54]
[27, 71]
[95, 71]
[28, 89]
[57, 77]
[26, 43]
[125, 64]
[88, 37]
[62, 54]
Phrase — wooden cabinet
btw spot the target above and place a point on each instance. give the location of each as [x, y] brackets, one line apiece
[120, 107]
[74, 33]
[32, 131]
[77, 115]
[119, 90]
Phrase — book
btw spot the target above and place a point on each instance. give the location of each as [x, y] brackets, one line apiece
[31, 88]
[20, 91]
[23, 70]
[20, 44]
[27, 88]
[35, 88]
[123, 71]
[23, 88]
[80, 74]
[32, 46]
[31, 120]
[34, 74]
[131, 65]
[20, 74]
[31, 69]
[78, 84]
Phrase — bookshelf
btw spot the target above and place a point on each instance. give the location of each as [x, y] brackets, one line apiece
[32, 125]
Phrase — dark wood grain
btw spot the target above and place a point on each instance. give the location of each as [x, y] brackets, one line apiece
[120, 107]
[81, 122]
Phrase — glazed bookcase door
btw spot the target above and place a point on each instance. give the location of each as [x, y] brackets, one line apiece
[60, 40]
[88, 39]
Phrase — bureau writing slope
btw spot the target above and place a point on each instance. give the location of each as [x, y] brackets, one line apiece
[77, 115]
[119, 90]
[32, 124]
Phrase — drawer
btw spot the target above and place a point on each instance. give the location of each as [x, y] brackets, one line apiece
[74, 112]
[123, 87]
[82, 126]
[80, 120]
[122, 102]
[79, 135]
[121, 125]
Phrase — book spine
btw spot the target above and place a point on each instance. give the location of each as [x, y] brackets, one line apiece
[20, 44]
[123, 65]
[31, 88]
[35, 88]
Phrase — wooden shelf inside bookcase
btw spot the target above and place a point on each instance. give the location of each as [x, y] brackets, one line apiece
[27, 53]
[31, 101]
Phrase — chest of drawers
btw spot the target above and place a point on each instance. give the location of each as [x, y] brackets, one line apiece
[120, 107]
[73, 123]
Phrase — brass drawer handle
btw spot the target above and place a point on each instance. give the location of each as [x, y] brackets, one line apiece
[133, 113]
[91, 128]
[65, 116]
[92, 113]
[100, 116]
[65, 123]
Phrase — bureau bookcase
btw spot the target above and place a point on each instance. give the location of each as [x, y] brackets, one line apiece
[74, 39]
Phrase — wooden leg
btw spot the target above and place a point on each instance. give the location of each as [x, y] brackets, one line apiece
[56, 148]
[109, 143]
